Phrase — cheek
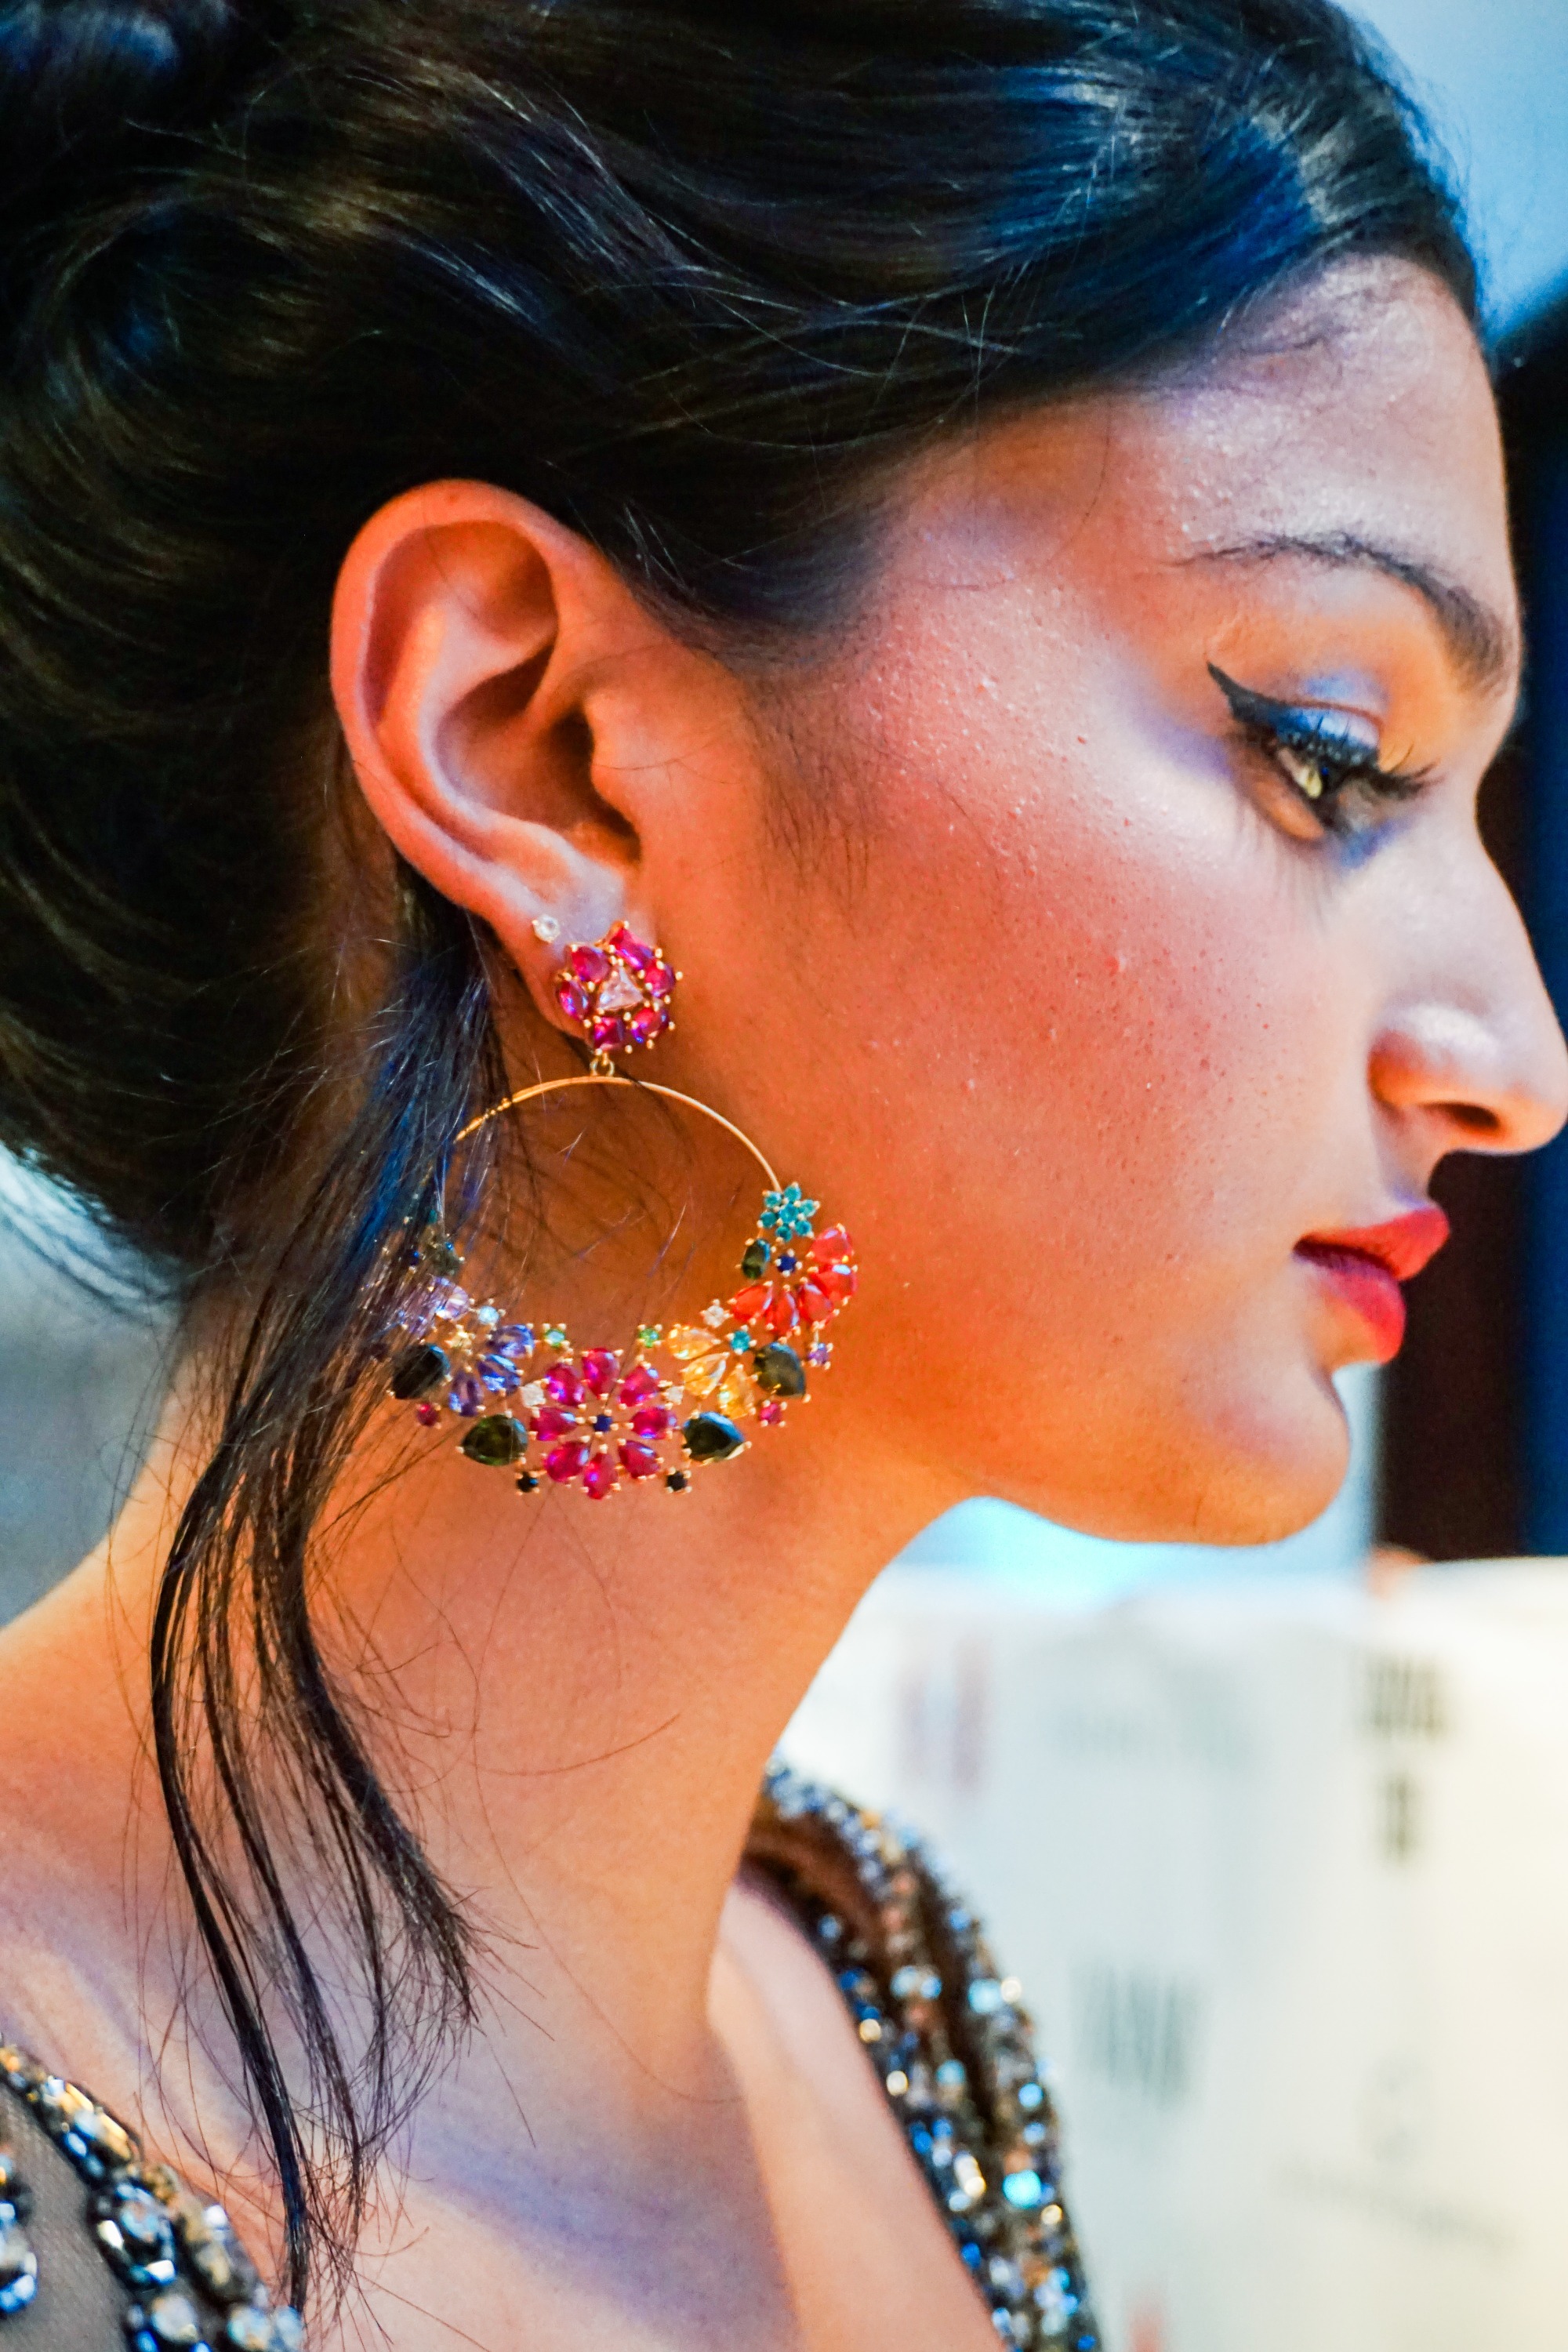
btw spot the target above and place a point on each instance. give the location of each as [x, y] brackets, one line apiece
[1111, 1001]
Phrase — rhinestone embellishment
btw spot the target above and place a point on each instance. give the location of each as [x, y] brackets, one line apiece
[180, 2256]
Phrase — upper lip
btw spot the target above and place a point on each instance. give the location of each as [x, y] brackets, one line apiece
[1403, 1245]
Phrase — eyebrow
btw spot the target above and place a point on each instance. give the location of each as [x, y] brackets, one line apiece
[1481, 645]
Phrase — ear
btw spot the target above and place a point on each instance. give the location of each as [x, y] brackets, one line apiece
[479, 661]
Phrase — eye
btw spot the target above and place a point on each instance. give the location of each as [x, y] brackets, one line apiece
[1330, 767]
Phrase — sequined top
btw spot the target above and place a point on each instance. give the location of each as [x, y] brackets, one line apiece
[139, 2262]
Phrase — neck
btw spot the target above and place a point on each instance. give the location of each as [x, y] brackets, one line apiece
[575, 1703]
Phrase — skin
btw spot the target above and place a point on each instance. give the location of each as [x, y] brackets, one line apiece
[1001, 936]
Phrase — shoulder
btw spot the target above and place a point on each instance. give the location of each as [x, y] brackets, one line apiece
[101, 2249]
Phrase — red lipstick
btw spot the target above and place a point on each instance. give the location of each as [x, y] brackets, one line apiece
[1363, 1266]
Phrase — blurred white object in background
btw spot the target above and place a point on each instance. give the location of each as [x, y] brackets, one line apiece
[82, 1371]
[1284, 1869]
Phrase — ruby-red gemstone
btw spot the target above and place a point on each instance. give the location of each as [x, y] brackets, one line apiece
[599, 1477]
[816, 1307]
[779, 1313]
[599, 1370]
[631, 950]
[428, 1414]
[641, 1381]
[551, 1421]
[571, 999]
[562, 1463]
[608, 1031]
[591, 964]
[840, 1282]
[638, 1460]
[749, 1301]
[562, 1385]
[653, 1421]
[770, 1413]
[833, 1244]
[659, 980]
[648, 1022]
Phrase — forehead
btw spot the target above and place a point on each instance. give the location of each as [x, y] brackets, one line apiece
[1357, 412]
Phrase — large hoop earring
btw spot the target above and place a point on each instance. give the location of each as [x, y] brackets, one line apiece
[676, 1399]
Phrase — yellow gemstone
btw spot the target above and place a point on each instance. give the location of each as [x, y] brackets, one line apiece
[684, 1343]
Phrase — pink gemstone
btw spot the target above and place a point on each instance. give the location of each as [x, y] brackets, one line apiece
[590, 964]
[631, 950]
[427, 1414]
[653, 1421]
[641, 1381]
[815, 1306]
[599, 1370]
[562, 1463]
[571, 999]
[649, 1021]
[770, 1413]
[599, 1477]
[660, 981]
[551, 1422]
[638, 1461]
[608, 1033]
[562, 1385]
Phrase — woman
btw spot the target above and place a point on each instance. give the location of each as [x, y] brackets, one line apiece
[974, 535]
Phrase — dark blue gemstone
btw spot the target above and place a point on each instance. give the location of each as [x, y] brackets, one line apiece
[417, 1371]
[711, 1437]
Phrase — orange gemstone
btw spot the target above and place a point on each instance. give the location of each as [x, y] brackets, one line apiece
[780, 1314]
[815, 1306]
[749, 1301]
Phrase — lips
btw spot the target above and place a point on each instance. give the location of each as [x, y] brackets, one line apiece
[1364, 1266]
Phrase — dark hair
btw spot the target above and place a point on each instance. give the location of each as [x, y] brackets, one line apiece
[685, 272]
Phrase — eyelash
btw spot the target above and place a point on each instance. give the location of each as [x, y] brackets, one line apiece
[1347, 771]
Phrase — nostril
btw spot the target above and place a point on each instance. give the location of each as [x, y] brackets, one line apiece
[1475, 1118]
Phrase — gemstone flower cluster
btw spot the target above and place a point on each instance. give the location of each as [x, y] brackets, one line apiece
[680, 1397]
[619, 991]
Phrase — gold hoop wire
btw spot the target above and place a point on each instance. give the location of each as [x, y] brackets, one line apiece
[639, 1086]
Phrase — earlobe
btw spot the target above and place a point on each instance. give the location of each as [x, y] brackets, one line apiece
[463, 630]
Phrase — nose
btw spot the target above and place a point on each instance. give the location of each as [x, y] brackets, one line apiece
[1476, 1055]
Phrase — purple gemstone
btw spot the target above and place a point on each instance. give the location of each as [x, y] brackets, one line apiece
[500, 1374]
[467, 1396]
[513, 1339]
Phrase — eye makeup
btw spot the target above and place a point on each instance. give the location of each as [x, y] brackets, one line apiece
[1326, 759]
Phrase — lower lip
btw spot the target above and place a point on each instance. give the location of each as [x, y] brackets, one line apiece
[1368, 1289]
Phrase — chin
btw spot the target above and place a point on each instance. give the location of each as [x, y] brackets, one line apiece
[1279, 1469]
[1255, 1468]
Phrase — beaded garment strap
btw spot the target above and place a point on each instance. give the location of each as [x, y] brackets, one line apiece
[951, 2042]
[191, 2282]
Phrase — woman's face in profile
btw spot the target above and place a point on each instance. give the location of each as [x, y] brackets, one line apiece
[1150, 944]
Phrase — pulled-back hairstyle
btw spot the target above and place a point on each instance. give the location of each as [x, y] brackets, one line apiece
[686, 273]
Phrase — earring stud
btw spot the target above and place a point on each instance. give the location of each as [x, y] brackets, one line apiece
[618, 991]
